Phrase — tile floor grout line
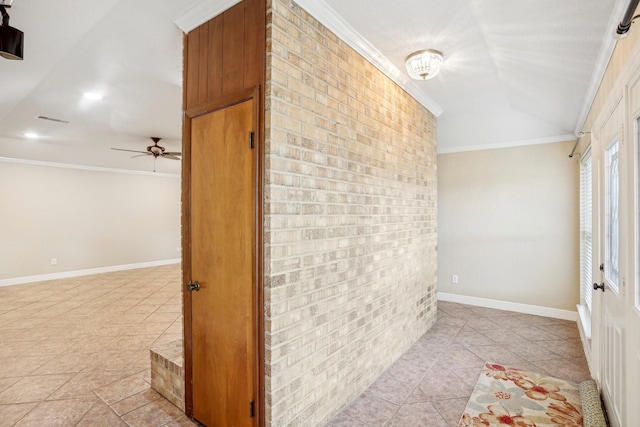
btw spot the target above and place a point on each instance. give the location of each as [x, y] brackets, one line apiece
[404, 401]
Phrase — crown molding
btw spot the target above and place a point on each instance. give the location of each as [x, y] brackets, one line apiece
[201, 12]
[606, 51]
[509, 144]
[341, 28]
[207, 9]
[86, 168]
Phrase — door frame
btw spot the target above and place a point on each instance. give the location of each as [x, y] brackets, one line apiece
[224, 102]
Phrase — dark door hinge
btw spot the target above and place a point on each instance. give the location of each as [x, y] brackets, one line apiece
[251, 140]
[601, 267]
[251, 409]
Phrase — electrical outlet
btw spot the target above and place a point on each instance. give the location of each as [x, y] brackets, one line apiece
[454, 278]
[54, 261]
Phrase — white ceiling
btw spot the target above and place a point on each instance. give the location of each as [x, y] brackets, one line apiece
[514, 72]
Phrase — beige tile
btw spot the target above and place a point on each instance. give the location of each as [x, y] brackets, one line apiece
[146, 375]
[5, 383]
[134, 402]
[122, 389]
[130, 318]
[422, 414]
[162, 317]
[574, 370]
[440, 384]
[171, 308]
[166, 339]
[136, 342]
[11, 414]
[157, 413]
[496, 353]
[68, 363]
[57, 413]
[371, 410]
[83, 384]
[148, 329]
[11, 349]
[50, 347]
[451, 409]
[101, 415]
[33, 388]
[468, 375]
[22, 313]
[146, 309]
[388, 388]
[343, 420]
[571, 348]
[132, 360]
[181, 421]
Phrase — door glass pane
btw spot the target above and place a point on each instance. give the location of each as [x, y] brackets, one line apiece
[611, 265]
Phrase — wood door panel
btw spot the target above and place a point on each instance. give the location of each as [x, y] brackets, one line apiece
[223, 230]
[233, 46]
[225, 55]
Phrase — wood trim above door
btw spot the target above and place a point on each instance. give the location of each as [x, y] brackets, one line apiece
[222, 102]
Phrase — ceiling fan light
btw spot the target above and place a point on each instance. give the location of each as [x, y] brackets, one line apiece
[425, 64]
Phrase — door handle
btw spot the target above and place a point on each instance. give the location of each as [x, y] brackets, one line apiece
[193, 286]
[596, 287]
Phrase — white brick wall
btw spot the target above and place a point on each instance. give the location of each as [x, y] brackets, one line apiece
[350, 220]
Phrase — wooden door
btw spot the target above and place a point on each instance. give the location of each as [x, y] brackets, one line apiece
[223, 257]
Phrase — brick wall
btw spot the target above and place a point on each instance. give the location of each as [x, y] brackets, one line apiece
[350, 220]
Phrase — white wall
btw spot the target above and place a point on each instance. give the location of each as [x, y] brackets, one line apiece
[508, 225]
[85, 219]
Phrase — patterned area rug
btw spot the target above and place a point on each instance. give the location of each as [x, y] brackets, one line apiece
[506, 396]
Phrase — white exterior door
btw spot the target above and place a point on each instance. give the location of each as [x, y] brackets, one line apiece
[611, 289]
[633, 243]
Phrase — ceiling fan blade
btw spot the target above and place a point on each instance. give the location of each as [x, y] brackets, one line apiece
[133, 151]
[173, 153]
[171, 157]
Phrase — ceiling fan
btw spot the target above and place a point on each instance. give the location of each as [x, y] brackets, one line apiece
[154, 150]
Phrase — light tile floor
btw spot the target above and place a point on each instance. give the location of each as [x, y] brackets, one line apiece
[75, 352]
[431, 383]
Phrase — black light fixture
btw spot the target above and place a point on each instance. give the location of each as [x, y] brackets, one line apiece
[11, 39]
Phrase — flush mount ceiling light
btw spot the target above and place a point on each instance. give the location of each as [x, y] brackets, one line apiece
[425, 64]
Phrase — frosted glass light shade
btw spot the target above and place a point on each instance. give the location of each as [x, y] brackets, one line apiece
[425, 64]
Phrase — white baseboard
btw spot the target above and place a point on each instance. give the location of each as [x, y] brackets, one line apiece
[510, 306]
[88, 272]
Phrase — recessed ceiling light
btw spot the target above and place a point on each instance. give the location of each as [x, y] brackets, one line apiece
[94, 96]
[31, 135]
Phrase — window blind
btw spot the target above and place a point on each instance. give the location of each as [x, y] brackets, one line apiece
[586, 236]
